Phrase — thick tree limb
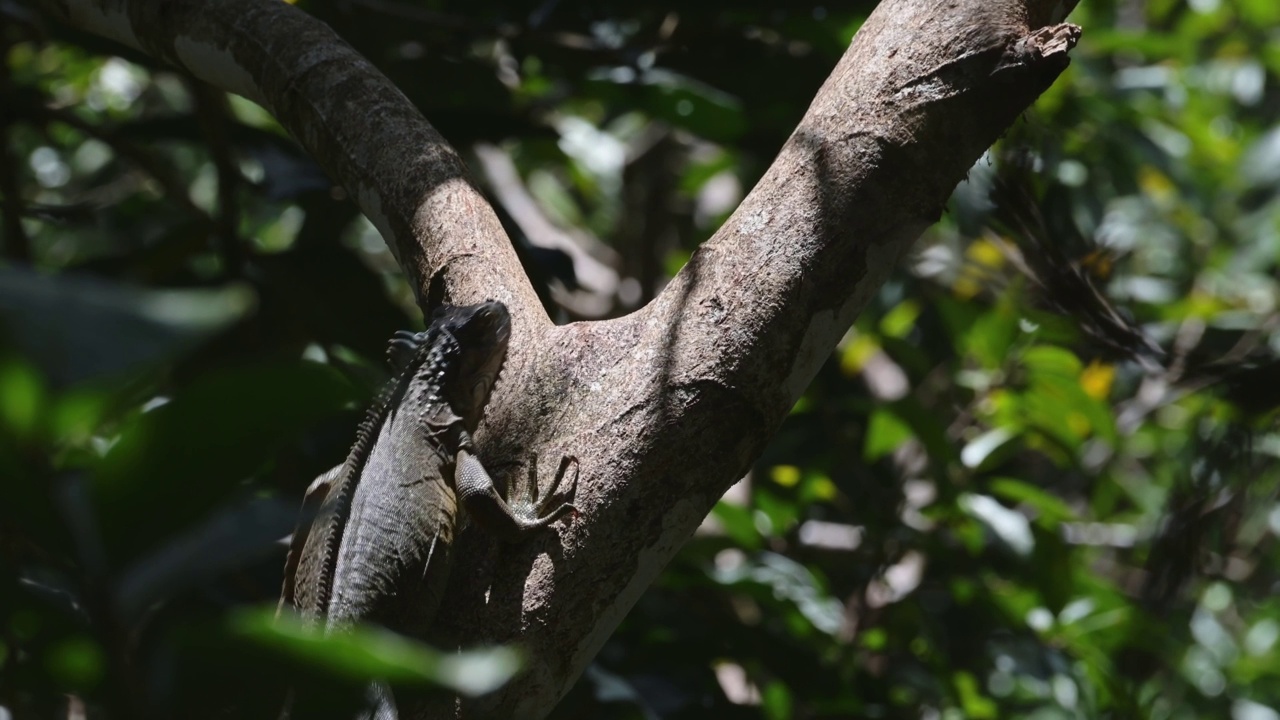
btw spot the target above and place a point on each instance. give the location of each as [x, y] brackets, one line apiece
[668, 406]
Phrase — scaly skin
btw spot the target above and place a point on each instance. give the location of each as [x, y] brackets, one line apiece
[379, 549]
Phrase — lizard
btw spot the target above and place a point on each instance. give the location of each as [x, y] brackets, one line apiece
[378, 546]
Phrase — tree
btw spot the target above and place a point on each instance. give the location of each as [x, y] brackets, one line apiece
[669, 405]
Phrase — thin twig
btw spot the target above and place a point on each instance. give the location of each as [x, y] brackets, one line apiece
[17, 245]
[145, 161]
[211, 110]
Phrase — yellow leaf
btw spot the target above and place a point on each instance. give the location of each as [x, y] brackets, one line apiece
[854, 355]
[983, 258]
[785, 475]
[1155, 184]
[823, 489]
[1096, 379]
[986, 253]
[965, 288]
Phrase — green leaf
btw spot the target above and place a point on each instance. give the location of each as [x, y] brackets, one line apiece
[55, 320]
[1050, 361]
[975, 704]
[790, 581]
[991, 337]
[928, 428]
[680, 100]
[373, 653]
[901, 319]
[885, 433]
[1009, 525]
[22, 395]
[1057, 403]
[981, 449]
[76, 662]
[738, 524]
[1050, 510]
[776, 701]
[174, 462]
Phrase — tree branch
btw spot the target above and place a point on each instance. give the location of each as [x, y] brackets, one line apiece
[599, 281]
[362, 130]
[668, 406]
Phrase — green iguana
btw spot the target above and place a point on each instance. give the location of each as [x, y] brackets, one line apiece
[378, 549]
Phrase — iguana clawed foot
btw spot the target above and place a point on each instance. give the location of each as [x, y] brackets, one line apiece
[524, 499]
[520, 515]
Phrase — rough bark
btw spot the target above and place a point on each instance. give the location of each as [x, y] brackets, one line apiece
[668, 406]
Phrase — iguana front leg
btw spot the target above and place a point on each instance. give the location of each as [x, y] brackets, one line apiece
[480, 497]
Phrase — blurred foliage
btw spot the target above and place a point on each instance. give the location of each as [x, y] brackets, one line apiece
[1036, 480]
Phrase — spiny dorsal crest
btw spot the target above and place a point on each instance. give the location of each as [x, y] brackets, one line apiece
[441, 358]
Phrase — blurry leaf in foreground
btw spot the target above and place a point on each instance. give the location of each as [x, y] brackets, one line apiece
[79, 328]
[76, 662]
[21, 396]
[175, 461]
[232, 538]
[368, 652]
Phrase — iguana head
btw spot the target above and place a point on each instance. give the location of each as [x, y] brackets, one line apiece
[469, 345]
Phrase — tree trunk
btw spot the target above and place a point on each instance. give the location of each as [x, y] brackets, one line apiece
[668, 406]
